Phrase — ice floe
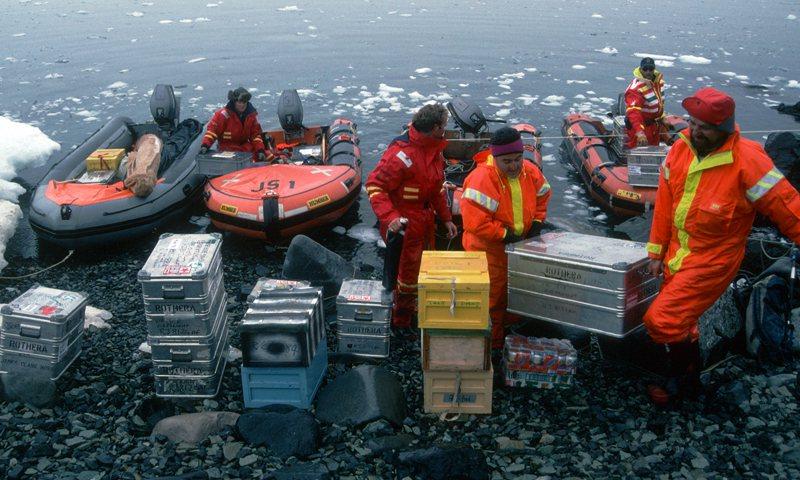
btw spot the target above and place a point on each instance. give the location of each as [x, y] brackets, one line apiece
[21, 146]
[693, 59]
[289, 8]
[596, 15]
[578, 67]
[364, 233]
[195, 60]
[654, 56]
[791, 17]
[553, 101]
[608, 50]
[136, 14]
[793, 84]
[423, 70]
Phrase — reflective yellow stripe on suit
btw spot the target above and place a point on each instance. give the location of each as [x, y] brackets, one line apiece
[764, 185]
[481, 199]
[689, 191]
[516, 203]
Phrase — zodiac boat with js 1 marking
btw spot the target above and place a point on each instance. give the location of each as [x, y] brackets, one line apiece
[317, 183]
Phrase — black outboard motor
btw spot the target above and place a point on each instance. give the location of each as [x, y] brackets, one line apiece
[467, 115]
[290, 112]
[165, 106]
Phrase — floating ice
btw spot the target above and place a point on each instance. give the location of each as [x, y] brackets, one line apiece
[145, 347]
[596, 15]
[527, 99]
[654, 56]
[136, 14]
[664, 63]
[530, 69]
[423, 70]
[289, 8]
[793, 84]
[54, 75]
[202, 19]
[608, 50]
[553, 101]
[339, 89]
[185, 20]
[549, 158]
[10, 214]
[389, 89]
[791, 17]
[165, 22]
[580, 82]
[364, 233]
[694, 60]
[195, 60]
[578, 67]
[117, 85]
[503, 112]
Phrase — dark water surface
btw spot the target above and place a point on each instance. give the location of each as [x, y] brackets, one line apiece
[68, 66]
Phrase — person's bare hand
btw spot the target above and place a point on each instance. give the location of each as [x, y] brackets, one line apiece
[655, 267]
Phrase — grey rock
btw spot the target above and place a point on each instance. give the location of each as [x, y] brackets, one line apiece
[754, 423]
[231, 450]
[294, 433]
[364, 394]
[308, 260]
[30, 389]
[781, 380]
[387, 443]
[90, 475]
[248, 460]
[505, 444]
[194, 427]
[194, 475]
[301, 471]
[700, 462]
[378, 427]
[440, 463]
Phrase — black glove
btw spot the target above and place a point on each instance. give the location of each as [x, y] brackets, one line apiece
[203, 150]
[262, 157]
[536, 229]
[511, 237]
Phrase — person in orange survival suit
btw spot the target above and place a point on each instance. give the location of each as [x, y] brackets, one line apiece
[504, 201]
[711, 185]
[235, 126]
[406, 192]
[644, 105]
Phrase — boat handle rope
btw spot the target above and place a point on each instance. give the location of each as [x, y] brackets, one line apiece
[613, 135]
[69, 254]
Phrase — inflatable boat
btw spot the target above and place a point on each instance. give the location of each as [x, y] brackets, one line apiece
[468, 146]
[623, 182]
[316, 182]
[75, 206]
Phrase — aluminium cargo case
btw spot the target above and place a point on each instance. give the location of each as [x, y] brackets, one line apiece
[194, 327]
[454, 290]
[372, 346]
[44, 313]
[40, 365]
[272, 339]
[191, 386]
[182, 266]
[364, 301]
[170, 349]
[644, 164]
[593, 283]
[154, 307]
[268, 285]
[214, 164]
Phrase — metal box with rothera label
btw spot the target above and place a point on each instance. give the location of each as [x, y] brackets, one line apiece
[593, 283]
[363, 318]
[181, 267]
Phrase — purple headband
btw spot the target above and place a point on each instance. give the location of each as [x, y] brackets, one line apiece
[513, 147]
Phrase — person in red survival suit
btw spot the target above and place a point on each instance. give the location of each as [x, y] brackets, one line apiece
[505, 200]
[406, 192]
[644, 105]
[711, 185]
[235, 127]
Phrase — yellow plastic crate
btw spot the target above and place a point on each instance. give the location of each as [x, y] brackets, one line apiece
[454, 290]
[104, 159]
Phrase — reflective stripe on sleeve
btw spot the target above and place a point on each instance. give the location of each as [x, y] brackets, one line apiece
[544, 189]
[764, 185]
[654, 248]
[481, 199]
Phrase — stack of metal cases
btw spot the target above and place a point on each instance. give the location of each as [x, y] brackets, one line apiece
[283, 344]
[644, 164]
[184, 303]
[363, 318]
[538, 362]
[597, 284]
[41, 332]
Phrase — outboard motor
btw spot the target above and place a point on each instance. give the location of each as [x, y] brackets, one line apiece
[290, 112]
[165, 106]
[467, 115]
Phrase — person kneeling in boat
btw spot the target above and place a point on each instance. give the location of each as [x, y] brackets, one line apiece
[406, 191]
[644, 106]
[506, 201]
[711, 185]
[235, 127]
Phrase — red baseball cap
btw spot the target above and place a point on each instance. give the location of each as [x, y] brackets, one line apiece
[713, 107]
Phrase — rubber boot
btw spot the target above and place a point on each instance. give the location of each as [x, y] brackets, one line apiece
[498, 379]
[683, 377]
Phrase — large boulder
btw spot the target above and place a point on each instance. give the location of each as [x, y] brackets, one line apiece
[441, 463]
[286, 433]
[364, 394]
[308, 260]
[194, 427]
[720, 324]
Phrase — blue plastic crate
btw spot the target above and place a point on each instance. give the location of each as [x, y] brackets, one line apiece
[295, 386]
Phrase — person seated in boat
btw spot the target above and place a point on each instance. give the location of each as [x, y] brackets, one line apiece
[644, 106]
[505, 200]
[235, 127]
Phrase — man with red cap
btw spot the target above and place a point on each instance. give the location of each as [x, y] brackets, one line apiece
[406, 191]
[644, 105]
[711, 185]
[504, 201]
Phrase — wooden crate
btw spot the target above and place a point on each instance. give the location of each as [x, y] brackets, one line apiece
[454, 291]
[462, 350]
[458, 392]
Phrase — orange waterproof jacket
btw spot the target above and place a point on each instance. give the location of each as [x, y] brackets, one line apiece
[704, 212]
[643, 100]
[496, 203]
[234, 132]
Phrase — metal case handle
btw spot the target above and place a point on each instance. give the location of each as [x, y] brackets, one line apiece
[172, 292]
[30, 331]
[181, 355]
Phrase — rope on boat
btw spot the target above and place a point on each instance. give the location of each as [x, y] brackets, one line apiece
[42, 270]
[561, 137]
